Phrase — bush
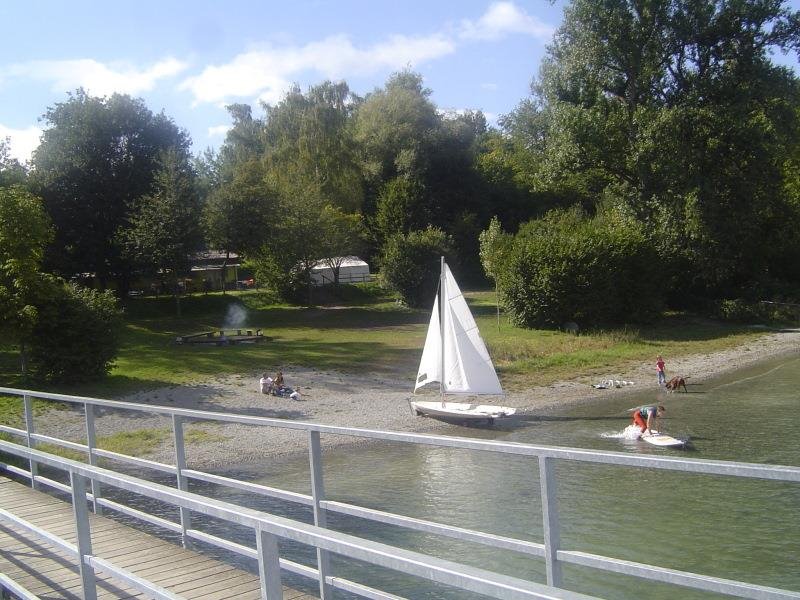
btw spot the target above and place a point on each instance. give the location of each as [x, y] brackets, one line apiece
[76, 336]
[279, 274]
[568, 267]
[410, 264]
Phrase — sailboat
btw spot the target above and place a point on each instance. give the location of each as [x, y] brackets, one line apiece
[456, 357]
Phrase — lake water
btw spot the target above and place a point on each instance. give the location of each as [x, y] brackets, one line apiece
[720, 526]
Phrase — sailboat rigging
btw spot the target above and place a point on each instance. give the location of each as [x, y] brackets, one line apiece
[456, 357]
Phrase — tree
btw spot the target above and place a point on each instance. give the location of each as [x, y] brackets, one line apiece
[494, 248]
[295, 242]
[11, 170]
[401, 207]
[25, 230]
[239, 215]
[392, 126]
[165, 227]
[309, 137]
[76, 336]
[342, 236]
[569, 267]
[408, 264]
[673, 109]
[97, 156]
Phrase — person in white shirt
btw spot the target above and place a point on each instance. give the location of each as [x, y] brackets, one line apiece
[265, 384]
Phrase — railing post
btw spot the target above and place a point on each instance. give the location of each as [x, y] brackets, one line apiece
[84, 534]
[91, 444]
[552, 536]
[32, 464]
[320, 519]
[269, 565]
[180, 466]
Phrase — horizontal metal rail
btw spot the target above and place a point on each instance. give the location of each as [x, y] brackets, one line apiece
[12, 587]
[550, 550]
[672, 463]
[405, 561]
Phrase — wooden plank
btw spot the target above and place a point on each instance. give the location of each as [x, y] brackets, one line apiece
[51, 573]
[233, 590]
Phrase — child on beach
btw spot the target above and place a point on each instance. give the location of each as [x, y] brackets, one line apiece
[662, 378]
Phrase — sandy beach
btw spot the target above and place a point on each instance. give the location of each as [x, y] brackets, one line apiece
[366, 401]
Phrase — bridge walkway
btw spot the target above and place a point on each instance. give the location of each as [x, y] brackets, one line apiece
[49, 573]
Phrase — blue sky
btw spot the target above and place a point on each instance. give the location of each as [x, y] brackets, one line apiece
[190, 59]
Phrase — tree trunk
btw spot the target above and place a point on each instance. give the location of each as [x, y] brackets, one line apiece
[177, 299]
[23, 359]
[225, 268]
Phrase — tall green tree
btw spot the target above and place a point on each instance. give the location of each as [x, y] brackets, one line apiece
[97, 156]
[165, 228]
[310, 136]
[25, 231]
[392, 127]
[239, 215]
[673, 109]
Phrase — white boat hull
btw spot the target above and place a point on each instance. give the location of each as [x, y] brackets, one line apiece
[461, 411]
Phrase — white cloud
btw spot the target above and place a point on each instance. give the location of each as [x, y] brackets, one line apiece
[268, 72]
[492, 87]
[22, 141]
[218, 130]
[95, 77]
[503, 18]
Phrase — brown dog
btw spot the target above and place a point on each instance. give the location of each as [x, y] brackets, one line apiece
[675, 383]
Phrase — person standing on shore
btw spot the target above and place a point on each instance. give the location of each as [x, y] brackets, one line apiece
[662, 378]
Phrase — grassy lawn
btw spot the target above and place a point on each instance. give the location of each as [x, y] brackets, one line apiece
[369, 332]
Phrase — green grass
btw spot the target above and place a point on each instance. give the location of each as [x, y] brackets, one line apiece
[133, 443]
[365, 330]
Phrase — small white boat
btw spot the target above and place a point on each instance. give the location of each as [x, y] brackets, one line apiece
[456, 358]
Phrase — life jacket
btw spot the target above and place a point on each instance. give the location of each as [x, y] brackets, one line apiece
[646, 411]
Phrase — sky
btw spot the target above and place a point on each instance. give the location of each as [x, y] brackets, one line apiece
[190, 59]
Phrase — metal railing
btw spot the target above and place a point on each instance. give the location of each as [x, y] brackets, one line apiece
[550, 550]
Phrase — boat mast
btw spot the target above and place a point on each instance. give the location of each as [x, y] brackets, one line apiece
[442, 298]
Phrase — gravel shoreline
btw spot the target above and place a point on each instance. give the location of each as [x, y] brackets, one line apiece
[368, 401]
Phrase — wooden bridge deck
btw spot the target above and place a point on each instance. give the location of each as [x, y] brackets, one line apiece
[50, 573]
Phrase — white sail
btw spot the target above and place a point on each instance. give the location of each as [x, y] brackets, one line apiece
[430, 365]
[468, 369]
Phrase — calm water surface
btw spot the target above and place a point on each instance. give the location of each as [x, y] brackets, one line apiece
[721, 526]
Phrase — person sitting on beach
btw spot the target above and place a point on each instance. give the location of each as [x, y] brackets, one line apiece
[278, 383]
[266, 384]
[646, 417]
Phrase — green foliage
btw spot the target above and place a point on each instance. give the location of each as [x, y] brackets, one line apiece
[24, 232]
[567, 267]
[401, 207]
[738, 310]
[309, 137]
[97, 156]
[409, 264]
[494, 248]
[165, 228]
[674, 110]
[239, 213]
[76, 336]
[11, 171]
[392, 125]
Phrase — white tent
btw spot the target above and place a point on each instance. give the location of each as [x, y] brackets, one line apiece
[352, 270]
